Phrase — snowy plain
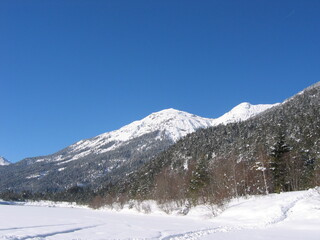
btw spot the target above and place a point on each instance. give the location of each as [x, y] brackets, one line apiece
[293, 215]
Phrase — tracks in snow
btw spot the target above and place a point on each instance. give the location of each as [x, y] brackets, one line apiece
[193, 235]
[50, 234]
[286, 209]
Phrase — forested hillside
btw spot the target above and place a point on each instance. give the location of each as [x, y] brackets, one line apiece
[278, 150]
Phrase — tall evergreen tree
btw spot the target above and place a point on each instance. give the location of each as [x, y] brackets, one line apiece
[199, 180]
[278, 164]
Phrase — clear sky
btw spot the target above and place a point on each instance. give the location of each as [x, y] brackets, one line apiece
[73, 69]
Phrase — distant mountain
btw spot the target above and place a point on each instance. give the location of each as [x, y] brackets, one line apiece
[242, 112]
[170, 124]
[113, 155]
[4, 162]
[277, 150]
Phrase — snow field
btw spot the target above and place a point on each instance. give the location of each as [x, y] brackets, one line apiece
[294, 215]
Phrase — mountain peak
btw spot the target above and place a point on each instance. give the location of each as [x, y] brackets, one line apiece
[174, 123]
[170, 112]
[166, 112]
[169, 123]
[243, 111]
[4, 162]
[244, 105]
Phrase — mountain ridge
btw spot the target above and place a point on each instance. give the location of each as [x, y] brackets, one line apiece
[171, 122]
[164, 120]
[110, 156]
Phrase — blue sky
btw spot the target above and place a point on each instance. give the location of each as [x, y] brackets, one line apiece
[71, 70]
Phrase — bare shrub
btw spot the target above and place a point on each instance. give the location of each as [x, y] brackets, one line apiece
[97, 202]
[146, 208]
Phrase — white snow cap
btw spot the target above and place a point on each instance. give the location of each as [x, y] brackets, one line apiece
[242, 112]
[177, 124]
[4, 162]
[171, 122]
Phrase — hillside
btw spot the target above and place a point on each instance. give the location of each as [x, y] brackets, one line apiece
[111, 156]
[278, 150]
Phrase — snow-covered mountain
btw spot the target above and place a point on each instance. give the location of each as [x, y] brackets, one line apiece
[4, 162]
[172, 123]
[112, 155]
[242, 112]
[169, 123]
[176, 124]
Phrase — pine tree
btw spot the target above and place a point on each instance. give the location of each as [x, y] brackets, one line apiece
[199, 180]
[278, 164]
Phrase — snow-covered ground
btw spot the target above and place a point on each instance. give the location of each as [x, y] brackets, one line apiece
[294, 215]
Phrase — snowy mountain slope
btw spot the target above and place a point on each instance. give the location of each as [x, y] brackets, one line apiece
[112, 155]
[176, 124]
[4, 162]
[242, 112]
[171, 123]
